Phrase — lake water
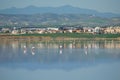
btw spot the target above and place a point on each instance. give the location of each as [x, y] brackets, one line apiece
[81, 60]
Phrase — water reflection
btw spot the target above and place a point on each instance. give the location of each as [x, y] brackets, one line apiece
[64, 53]
[86, 60]
[61, 51]
[24, 50]
[83, 44]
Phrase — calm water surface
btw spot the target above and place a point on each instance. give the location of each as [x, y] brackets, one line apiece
[85, 60]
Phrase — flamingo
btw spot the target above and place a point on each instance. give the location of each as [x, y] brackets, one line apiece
[33, 53]
[25, 49]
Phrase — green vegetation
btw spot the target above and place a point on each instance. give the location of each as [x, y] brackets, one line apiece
[74, 35]
[55, 20]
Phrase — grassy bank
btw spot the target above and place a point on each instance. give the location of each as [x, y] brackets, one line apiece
[61, 36]
[74, 35]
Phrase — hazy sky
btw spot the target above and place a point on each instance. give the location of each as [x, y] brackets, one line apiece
[99, 5]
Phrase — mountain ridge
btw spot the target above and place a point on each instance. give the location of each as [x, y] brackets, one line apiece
[66, 9]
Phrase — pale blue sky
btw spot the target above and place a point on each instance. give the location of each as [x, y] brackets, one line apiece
[99, 5]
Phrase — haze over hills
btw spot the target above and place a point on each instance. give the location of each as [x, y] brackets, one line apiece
[65, 15]
[67, 9]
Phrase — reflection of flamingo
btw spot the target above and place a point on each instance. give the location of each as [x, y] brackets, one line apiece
[86, 51]
[61, 51]
[33, 50]
[25, 49]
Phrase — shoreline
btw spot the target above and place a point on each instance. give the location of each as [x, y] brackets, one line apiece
[48, 38]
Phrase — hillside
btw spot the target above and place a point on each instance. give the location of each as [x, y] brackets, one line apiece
[56, 19]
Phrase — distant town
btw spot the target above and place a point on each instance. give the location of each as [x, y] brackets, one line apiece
[63, 29]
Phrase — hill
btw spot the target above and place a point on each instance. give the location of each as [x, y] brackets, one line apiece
[56, 19]
[67, 9]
